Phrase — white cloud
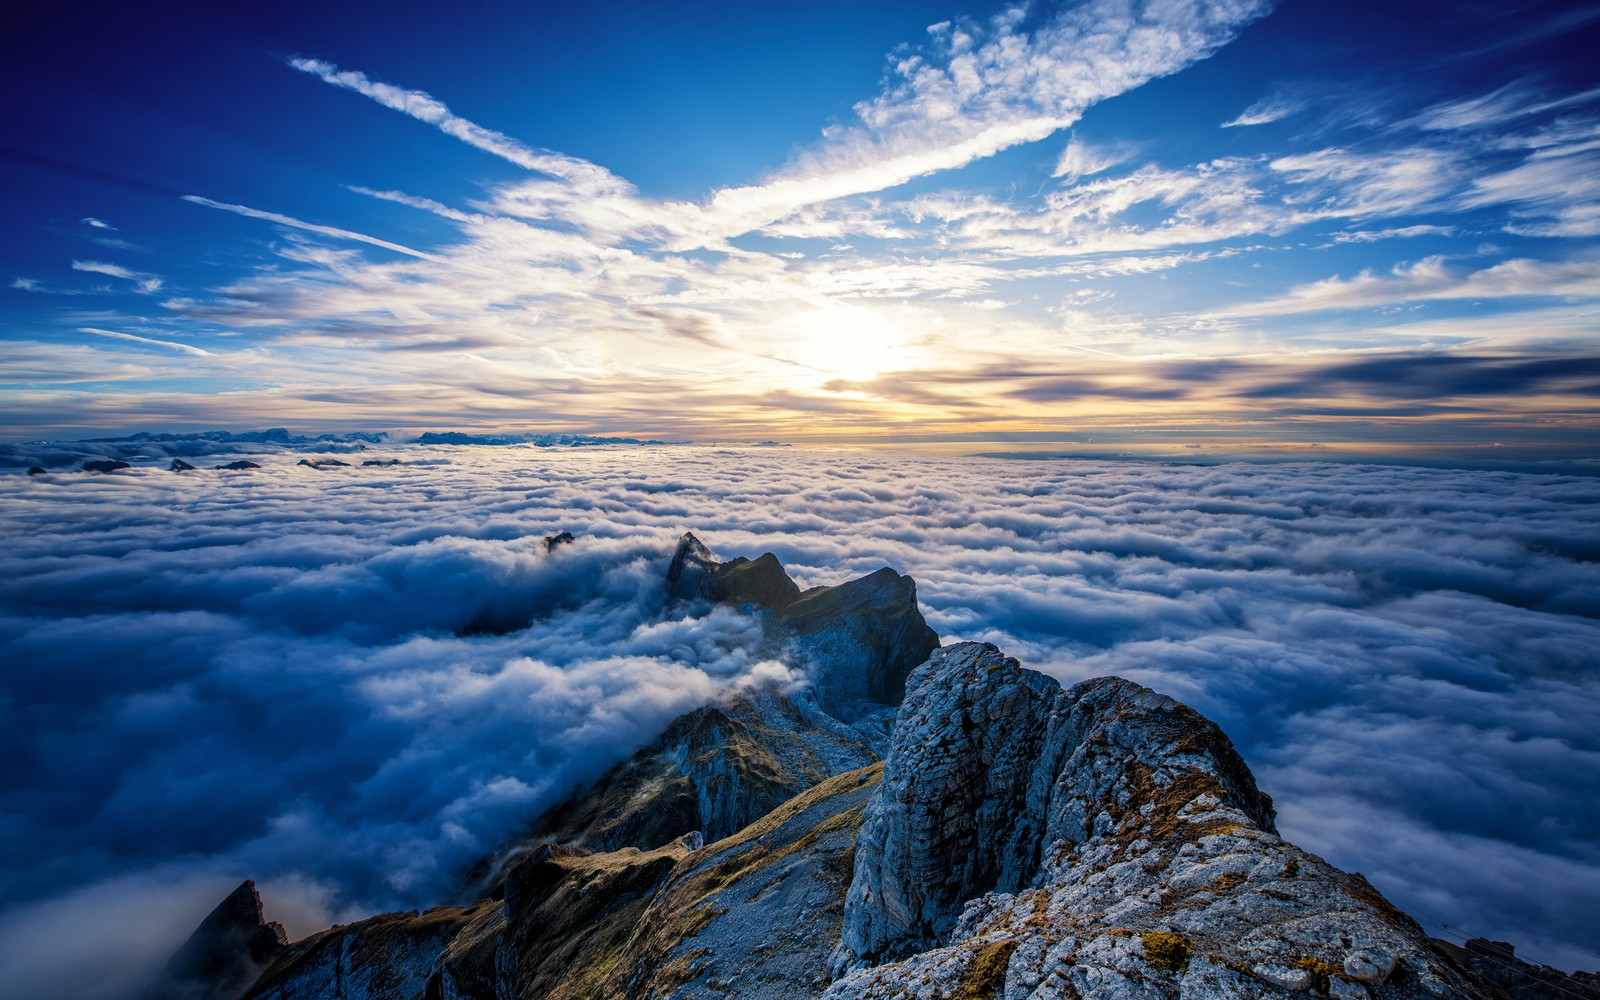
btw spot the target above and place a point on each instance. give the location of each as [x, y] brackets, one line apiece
[1079, 159]
[284, 220]
[147, 283]
[185, 348]
[1431, 279]
[1267, 110]
[97, 223]
[288, 700]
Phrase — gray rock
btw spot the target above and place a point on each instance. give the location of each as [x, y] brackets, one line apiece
[179, 465]
[1116, 838]
[105, 465]
[225, 954]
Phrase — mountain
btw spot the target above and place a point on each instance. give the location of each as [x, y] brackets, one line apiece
[994, 835]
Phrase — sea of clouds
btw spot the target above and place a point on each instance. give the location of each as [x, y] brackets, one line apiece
[211, 676]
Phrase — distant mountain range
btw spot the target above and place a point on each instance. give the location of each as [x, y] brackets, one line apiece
[53, 455]
[905, 820]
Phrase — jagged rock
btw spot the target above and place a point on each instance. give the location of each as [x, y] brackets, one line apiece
[388, 957]
[696, 574]
[239, 466]
[1496, 962]
[713, 771]
[378, 461]
[1098, 841]
[322, 463]
[551, 541]
[179, 465]
[34, 470]
[755, 915]
[856, 642]
[105, 465]
[225, 954]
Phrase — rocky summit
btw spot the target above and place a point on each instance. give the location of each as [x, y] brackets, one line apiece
[910, 821]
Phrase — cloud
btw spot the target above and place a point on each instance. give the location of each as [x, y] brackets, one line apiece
[1431, 279]
[271, 685]
[147, 283]
[185, 348]
[425, 108]
[1511, 102]
[284, 220]
[97, 223]
[1079, 159]
[974, 91]
[1268, 110]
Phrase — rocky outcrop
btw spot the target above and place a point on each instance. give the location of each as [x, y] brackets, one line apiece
[225, 954]
[105, 465]
[721, 767]
[322, 463]
[754, 915]
[856, 642]
[393, 956]
[179, 465]
[695, 573]
[1098, 841]
[240, 466]
[1496, 962]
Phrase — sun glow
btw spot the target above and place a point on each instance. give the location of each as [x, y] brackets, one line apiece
[848, 342]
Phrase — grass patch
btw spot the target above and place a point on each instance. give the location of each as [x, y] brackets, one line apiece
[985, 976]
[1166, 950]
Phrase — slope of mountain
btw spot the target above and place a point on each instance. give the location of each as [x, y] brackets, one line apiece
[1016, 840]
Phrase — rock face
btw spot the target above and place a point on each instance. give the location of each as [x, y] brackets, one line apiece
[1098, 841]
[720, 768]
[105, 465]
[225, 954]
[856, 642]
[179, 465]
[239, 466]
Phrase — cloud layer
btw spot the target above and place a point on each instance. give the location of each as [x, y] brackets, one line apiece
[258, 675]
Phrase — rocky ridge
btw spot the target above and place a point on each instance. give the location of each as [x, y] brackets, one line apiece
[1016, 840]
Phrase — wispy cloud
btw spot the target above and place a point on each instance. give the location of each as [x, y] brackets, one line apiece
[1079, 159]
[425, 108]
[1267, 110]
[96, 223]
[1433, 279]
[171, 345]
[148, 283]
[284, 220]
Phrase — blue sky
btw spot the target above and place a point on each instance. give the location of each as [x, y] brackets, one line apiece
[1237, 227]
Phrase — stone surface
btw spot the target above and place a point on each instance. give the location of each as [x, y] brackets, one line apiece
[225, 954]
[754, 915]
[1117, 838]
[179, 465]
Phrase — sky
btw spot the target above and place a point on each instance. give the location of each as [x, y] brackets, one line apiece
[1362, 230]
[216, 676]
